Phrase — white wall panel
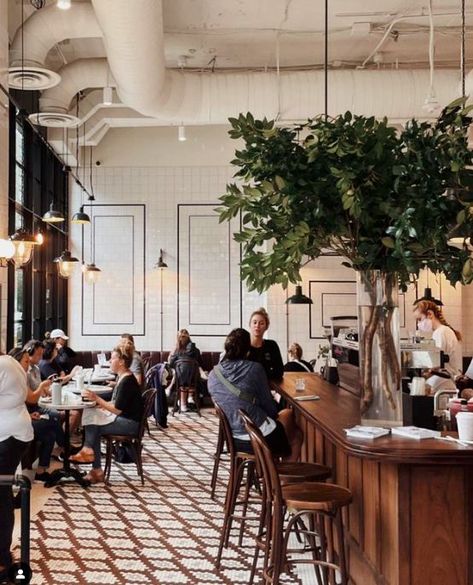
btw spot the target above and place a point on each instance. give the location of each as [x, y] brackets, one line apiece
[117, 302]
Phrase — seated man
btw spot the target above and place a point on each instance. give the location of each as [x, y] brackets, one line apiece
[46, 430]
[239, 384]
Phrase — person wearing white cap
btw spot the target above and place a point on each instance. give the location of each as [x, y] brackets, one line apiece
[64, 353]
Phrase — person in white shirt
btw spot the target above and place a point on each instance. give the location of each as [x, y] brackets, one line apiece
[446, 338]
[16, 432]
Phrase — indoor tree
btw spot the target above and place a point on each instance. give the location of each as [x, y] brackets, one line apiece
[387, 201]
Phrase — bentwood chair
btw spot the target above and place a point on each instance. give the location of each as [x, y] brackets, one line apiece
[239, 463]
[134, 441]
[321, 502]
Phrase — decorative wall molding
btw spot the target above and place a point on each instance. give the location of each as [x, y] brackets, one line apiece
[209, 288]
[118, 301]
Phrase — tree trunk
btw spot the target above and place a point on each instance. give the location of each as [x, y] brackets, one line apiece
[378, 322]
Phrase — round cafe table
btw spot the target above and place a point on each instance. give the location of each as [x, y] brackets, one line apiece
[67, 473]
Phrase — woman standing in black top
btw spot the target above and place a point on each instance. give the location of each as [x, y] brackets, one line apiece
[265, 351]
[126, 405]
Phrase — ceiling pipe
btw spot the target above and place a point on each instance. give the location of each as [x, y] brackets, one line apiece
[211, 98]
[49, 26]
[77, 76]
[43, 30]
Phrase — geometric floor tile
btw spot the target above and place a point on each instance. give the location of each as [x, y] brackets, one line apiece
[165, 532]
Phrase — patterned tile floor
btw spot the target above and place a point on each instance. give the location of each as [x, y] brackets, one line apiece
[163, 533]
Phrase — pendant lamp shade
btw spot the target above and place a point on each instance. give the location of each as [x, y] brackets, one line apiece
[53, 216]
[66, 264]
[80, 217]
[299, 298]
[429, 297]
[91, 273]
[24, 243]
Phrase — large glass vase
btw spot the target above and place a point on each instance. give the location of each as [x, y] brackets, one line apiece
[379, 339]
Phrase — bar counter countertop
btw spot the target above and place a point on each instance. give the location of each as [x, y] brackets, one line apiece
[411, 520]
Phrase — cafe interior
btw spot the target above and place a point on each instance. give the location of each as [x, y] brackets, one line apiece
[242, 428]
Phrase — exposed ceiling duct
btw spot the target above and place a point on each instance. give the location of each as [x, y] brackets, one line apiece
[79, 75]
[211, 98]
[135, 53]
[44, 29]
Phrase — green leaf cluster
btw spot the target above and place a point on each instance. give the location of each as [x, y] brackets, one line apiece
[353, 185]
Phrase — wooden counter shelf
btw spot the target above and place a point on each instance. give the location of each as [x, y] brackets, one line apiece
[411, 520]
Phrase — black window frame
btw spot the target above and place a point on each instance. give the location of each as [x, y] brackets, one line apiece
[45, 180]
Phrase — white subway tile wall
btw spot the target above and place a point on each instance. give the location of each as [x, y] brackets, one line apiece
[205, 255]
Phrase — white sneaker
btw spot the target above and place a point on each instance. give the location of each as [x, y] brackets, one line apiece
[184, 408]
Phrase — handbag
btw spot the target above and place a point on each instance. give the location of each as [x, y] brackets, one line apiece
[124, 453]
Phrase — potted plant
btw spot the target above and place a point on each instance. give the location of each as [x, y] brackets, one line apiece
[388, 202]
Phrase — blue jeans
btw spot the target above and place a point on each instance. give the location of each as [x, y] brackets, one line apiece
[93, 433]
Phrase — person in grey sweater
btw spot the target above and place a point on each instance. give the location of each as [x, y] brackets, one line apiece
[251, 393]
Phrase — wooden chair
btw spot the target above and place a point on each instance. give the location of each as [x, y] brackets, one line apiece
[322, 502]
[240, 462]
[135, 441]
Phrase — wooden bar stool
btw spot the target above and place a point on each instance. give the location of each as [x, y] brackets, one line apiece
[241, 462]
[321, 502]
[219, 451]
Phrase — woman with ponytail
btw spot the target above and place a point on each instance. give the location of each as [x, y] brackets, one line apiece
[446, 338]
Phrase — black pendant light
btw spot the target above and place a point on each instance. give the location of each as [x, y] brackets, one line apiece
[299, 298]
[428, 297]
[52, 215]
[80, 217]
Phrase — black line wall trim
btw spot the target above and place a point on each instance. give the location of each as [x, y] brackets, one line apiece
[185, 249]
[135, 235]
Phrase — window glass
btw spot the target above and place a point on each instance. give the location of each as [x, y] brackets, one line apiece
[19, 308]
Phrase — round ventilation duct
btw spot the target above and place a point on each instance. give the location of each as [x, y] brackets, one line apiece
[54, 120]
[32, 78]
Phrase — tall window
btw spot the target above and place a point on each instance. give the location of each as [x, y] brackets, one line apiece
[37, 296]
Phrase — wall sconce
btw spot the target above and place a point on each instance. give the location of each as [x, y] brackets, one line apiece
[161, 265]
[91, 273]
[66, 264]
[24, 243]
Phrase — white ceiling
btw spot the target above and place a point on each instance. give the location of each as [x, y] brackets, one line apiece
[251, 33]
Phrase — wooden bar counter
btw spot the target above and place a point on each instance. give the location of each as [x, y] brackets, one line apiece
[411, 520]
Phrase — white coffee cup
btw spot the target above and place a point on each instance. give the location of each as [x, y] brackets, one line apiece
[465, 426]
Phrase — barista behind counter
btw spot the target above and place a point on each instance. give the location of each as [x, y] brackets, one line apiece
[447, 339]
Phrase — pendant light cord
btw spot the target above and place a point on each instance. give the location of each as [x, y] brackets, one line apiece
[326, 62]
[462, 48]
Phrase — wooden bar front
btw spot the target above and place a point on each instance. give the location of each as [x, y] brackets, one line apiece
[411, 520]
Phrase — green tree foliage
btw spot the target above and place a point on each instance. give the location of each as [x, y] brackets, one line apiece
[353, 185]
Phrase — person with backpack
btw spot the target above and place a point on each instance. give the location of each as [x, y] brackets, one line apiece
[238, 383]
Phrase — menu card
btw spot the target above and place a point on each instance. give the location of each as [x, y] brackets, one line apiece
[362, 432]
[415, 432]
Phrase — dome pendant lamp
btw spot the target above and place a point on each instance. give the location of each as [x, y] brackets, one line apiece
[53, 216]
